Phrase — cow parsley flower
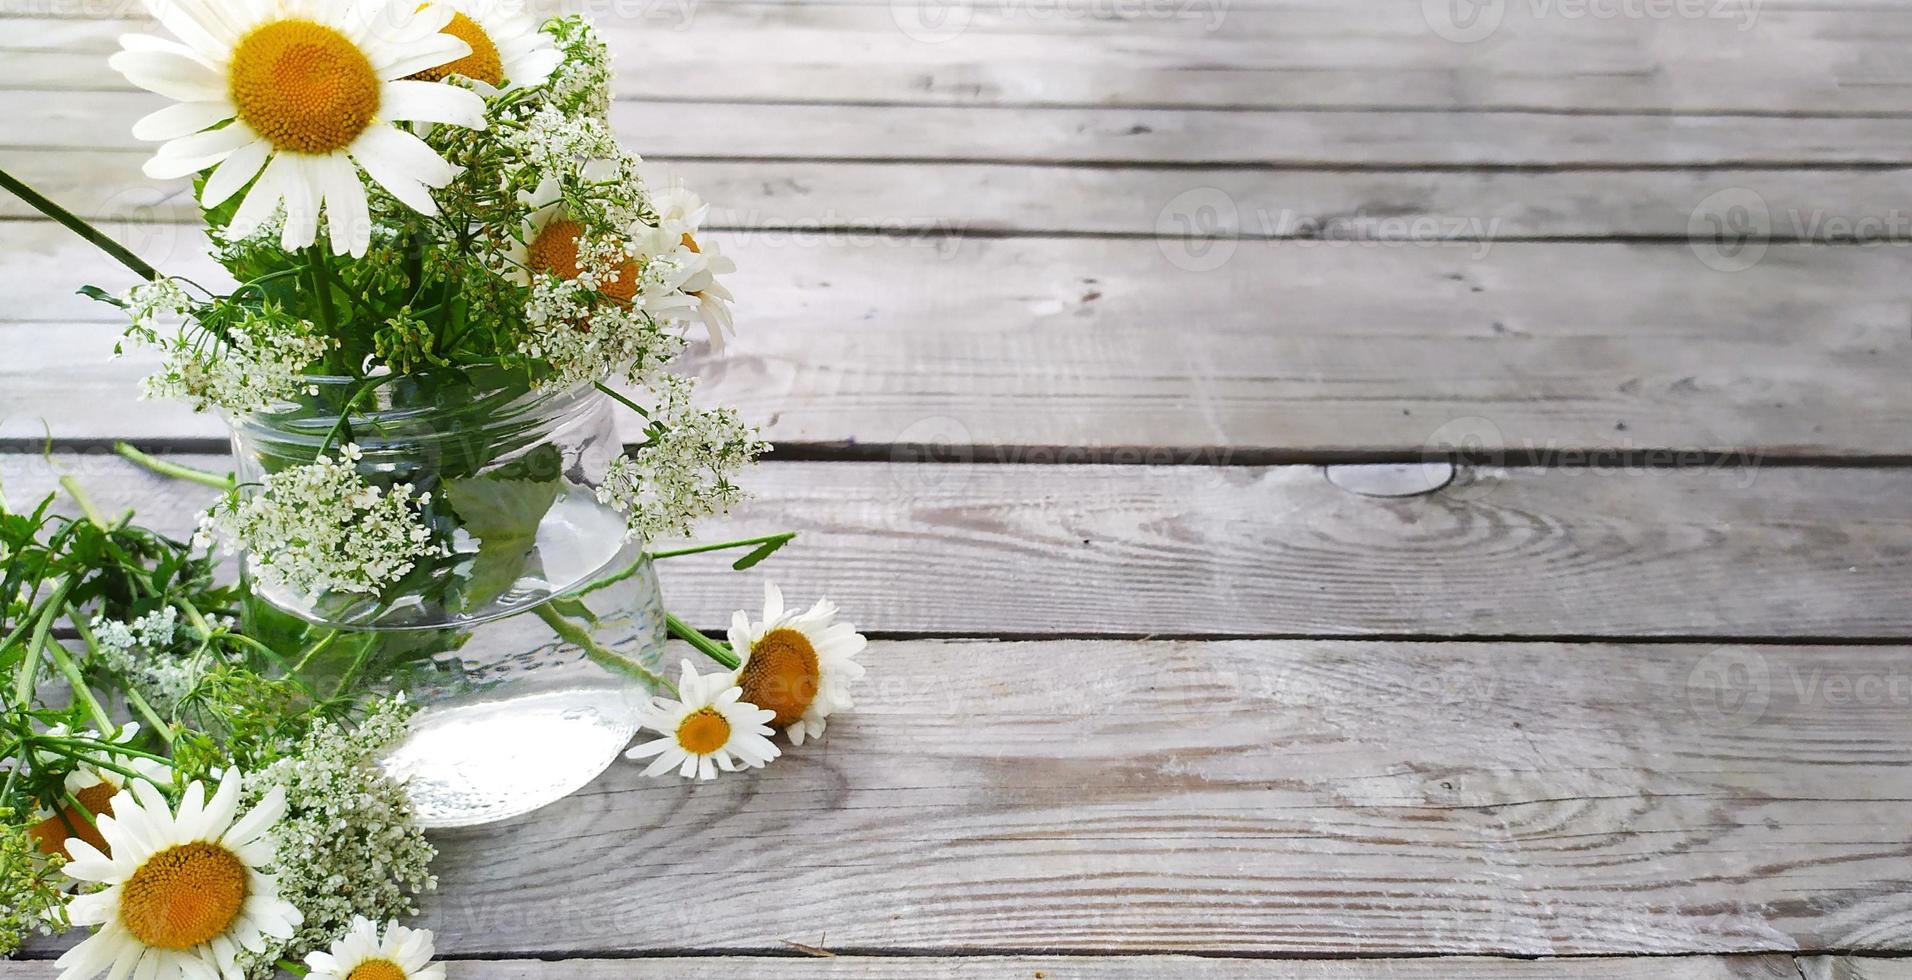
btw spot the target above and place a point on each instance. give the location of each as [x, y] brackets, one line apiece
[348, 844]
[684, 472]
[143, 651]
[323, 528]
[259, 360]
[582, 82]
[31, 899]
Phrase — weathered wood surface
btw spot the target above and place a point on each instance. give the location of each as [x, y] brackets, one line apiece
[1207, 550]
[1853, 968]
[1701, 57]
[1031, 199]
[1330, 139]
[1254, 797]
[800, 967]
[1057, 349]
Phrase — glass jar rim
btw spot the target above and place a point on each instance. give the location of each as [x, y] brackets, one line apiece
[306, 418]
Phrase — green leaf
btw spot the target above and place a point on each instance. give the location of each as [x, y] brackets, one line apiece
[763, 551]
[503, 509]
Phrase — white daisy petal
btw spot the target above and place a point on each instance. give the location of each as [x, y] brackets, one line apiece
[262, 200]
[415, 101]
[180, 119]
[241, 166]
[410, 59]
[403, 165]
[169, 74]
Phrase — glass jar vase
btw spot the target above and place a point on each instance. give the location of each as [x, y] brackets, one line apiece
[529, 640]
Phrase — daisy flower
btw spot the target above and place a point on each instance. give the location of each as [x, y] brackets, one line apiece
[632, 274]
[680, 213]
[712, 728]
[184, 891]
[362, 954]
[797, 664]
[507, 49]
[92, 789]
[307, 91]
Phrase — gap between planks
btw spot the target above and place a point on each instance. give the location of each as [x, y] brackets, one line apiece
[1142, 967]
[1262, 799]
[1055, 350]
[892, 966]
[1089, 550]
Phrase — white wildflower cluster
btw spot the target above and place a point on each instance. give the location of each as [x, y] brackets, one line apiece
[151, 304]
[582, 82]
[322, 528]
[261, 360]
[584, 340]
[684, 472]
[143, 651]
[32, 901]
[349, 844]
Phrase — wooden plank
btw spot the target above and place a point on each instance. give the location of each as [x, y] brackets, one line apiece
[1028, 199]
[1055, 349]
[1204, 550]
[1257, 798]
[1702, 57]
[1853, 968]
[1090, 968]
[1327, 139]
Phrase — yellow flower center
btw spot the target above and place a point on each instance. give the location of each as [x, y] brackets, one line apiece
[184, 896]
[782, 675]
[482, 64]
[703, 732]
[555, 250]
[51, 834]
[303, 86]
[691, 243]
[377, 969]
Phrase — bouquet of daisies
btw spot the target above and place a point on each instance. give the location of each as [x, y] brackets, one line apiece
[429, 225]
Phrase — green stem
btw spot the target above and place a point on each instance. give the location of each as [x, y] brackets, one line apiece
[572, 633]
[114, 748]
[79, 226]
[704, 644]
[322, 288]
[277, 658]
[73, 803]
[306, 655]
[29, 668]
[71, 670]
[73, 488]
[133, 697]
[174, 470]
[633, 406]
[698, 549]
[293, 968]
